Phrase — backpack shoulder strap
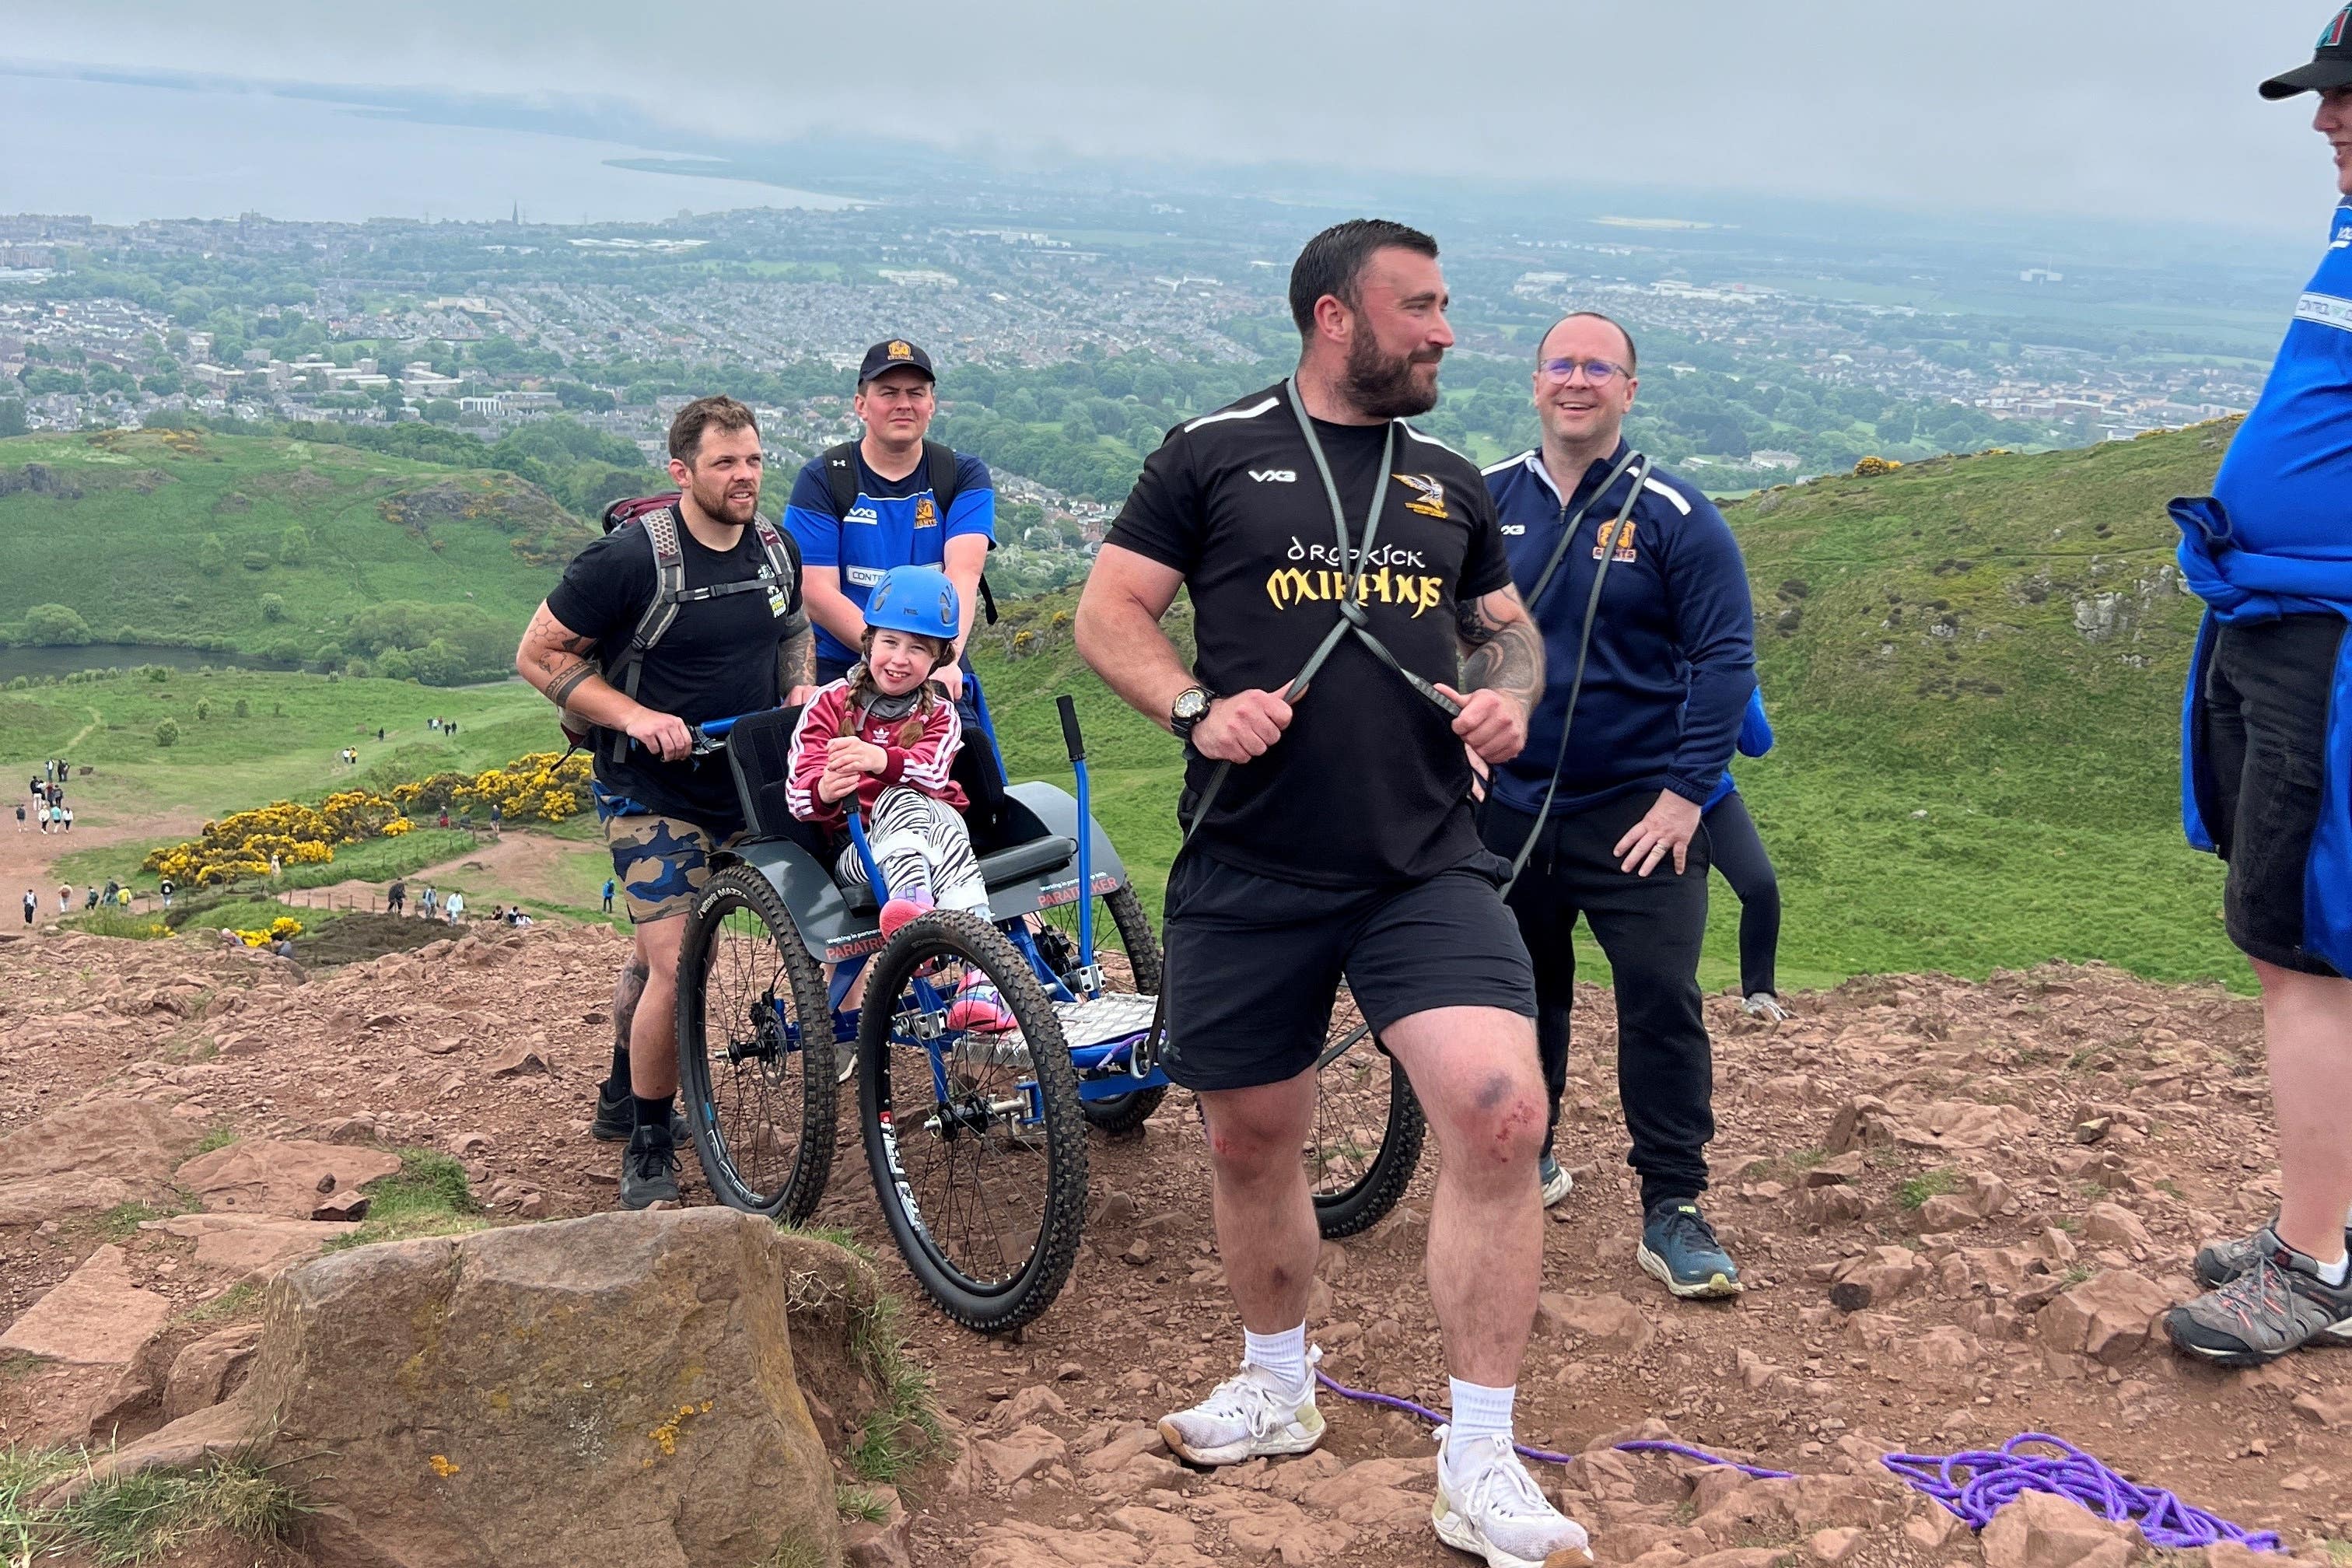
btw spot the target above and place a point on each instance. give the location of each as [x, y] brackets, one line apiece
[624, 667]
[940, 472]
[841, 475]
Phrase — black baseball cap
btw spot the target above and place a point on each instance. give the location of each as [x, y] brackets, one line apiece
[894, 354]
[2330, 66]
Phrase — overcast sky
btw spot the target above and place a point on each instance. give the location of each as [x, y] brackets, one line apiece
[2146, 109]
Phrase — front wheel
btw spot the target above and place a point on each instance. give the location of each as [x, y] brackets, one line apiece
[971, 1119]
[755, 1049]
[1368, 1128]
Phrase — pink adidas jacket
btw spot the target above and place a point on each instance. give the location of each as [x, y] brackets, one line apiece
[923, 766]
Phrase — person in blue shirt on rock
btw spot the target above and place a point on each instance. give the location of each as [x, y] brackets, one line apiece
[1737, 851]
[1671, 664]
[892, 498]
[2266, 777]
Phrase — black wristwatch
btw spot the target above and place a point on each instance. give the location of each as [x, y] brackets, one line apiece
[1192, 706]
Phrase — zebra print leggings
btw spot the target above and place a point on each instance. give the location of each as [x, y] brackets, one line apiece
[921, 846]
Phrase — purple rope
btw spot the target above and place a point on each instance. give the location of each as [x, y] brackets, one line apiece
[1976, 1484]
[1545, 1456]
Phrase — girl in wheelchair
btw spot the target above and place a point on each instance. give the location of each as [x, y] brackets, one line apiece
[882, 740]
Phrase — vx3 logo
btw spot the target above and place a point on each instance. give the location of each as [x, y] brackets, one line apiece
[1274, 476]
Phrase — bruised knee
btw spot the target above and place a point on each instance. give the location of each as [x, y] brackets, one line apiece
[1242, 1153]
[1504, 1128]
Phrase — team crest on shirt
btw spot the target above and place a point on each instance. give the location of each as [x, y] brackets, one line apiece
[1430, 494]
[1623, 536]
[926, 515]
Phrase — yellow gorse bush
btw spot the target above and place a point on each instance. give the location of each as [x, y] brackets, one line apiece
[285, 928]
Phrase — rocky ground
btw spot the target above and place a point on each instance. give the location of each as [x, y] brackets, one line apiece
[1958, 1206]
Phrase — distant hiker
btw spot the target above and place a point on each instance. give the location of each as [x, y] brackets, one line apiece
[92, 902]
[449, 726]
[32, 905]
[1342, 842]
[2266, 730]
[396, 897]
[122, 897]
[890, 498]
[65, 898]
[744, 648]
[42, 818]
[112, 887]
[1670, 666]
[444, 820]
[426, 904]
[453, 907]
[434, 724]
[379, 733]
[1738, 851]
[498, 820]
[608, 894]
[276, 870]
[164, 887]
[68, 813]
[20, 816]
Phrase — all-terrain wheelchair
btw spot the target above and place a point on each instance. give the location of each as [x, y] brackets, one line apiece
[976, 1139]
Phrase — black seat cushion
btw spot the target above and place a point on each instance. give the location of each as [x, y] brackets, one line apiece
[1001, 869]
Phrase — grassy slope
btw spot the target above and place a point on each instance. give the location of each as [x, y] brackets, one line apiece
[121, 550]
[2043, 757]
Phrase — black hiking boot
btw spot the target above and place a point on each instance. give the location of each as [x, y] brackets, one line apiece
[616, 1119]
[648, 1169]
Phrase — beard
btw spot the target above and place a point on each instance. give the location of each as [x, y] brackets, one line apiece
[713, 500]
[1388, 388]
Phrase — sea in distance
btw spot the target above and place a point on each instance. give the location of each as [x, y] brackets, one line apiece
[121, 152]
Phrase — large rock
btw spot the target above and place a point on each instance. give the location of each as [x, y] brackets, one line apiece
[619, 1388]
[2109, 1317]
[92, 1336]
[81, 1159]
[2042, 1530]
[252, 1247]
[264, 1175]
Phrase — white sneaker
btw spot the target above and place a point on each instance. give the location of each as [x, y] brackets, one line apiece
[1247, 1416]
[1765, 1005]
[1557, 1183]
[1498, 1513]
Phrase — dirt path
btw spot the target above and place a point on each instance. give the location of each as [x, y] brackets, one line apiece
[519, 865]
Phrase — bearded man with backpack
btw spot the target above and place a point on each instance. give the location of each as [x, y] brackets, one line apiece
[688, 610]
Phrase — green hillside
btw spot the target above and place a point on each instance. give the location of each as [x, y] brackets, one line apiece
[263, 545]
[1974, 666]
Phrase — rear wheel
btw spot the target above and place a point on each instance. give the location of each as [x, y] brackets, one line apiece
[972, 1124]
[1129, 956]
[1368, 1128]
[756, 1078]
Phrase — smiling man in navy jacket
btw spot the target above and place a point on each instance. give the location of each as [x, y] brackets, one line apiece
[1672, 662]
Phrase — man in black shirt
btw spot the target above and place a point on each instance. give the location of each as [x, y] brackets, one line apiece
[1341, 842]
[740, 643]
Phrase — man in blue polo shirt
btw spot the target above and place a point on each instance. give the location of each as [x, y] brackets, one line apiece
[1671, 663]
[892, 498]
[2266, 750]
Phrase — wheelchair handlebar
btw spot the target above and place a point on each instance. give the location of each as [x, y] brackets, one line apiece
[1070, 737]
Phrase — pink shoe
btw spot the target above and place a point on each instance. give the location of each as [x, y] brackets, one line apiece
[899, 911]
[979, 1008]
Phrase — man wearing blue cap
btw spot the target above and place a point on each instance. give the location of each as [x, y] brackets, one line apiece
[2267, 777]
[892, 498]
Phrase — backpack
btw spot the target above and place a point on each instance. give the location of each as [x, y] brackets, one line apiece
[939, 472]
[657, 517]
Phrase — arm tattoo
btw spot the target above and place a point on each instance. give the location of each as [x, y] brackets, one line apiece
[628, 988]
[560, 689]
[796, 655]
[1503, 653]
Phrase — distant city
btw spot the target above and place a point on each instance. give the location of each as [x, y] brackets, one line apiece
[1072, 331]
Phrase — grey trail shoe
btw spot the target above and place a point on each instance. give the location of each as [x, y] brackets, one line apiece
[2279, 1304]
[2218, 1262]
[649, 1169]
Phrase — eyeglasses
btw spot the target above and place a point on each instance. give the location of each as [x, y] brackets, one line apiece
[1599, 371]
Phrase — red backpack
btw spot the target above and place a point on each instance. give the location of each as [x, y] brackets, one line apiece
[657, 517]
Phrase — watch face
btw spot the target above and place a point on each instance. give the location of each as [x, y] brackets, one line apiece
[1192, 704]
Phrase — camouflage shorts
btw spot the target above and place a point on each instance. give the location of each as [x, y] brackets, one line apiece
[660, 862]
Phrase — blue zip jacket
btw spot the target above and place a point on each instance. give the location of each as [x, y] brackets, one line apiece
[1755, 740]
[2275, 539]
[1673, 653]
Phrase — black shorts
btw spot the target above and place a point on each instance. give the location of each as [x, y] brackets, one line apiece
[2267, 687]
[1254, 964]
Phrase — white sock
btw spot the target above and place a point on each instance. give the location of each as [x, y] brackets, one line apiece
[1478, 1412]
[2336, 1273]
[1282, 1356]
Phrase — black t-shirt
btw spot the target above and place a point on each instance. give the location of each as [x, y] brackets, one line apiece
[1370, 784]
[717, 661]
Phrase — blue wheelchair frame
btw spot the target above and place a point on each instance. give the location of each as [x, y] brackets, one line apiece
[1106, 1069]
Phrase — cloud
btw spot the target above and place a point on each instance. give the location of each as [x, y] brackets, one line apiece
[2092, 107]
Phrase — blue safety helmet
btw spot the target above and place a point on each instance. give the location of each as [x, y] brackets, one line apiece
[918, 599]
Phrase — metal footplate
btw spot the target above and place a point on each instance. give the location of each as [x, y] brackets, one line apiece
[1106, 1019]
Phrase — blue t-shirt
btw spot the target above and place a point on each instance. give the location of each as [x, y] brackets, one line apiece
[895, 522]
[2286, 483]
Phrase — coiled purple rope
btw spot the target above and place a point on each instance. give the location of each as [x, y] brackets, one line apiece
[1975, 1484]
[1545, 1456]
